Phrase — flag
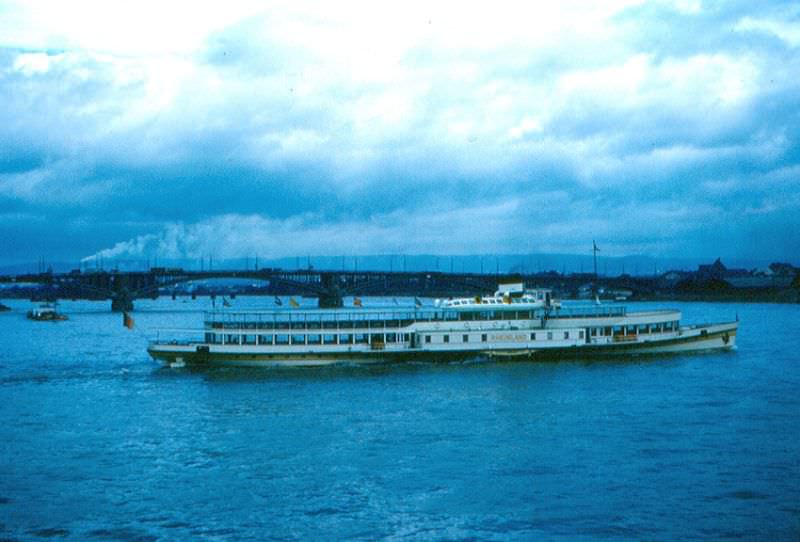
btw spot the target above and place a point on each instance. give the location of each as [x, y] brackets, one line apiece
[357, 302]
[417, 302]
[395, 301]
[127, 321]
[278, 301]
[225, 303]
[293, 303]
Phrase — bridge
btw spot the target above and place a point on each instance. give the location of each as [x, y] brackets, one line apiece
[123, 287]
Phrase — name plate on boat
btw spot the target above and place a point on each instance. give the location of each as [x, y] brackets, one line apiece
[507, 337]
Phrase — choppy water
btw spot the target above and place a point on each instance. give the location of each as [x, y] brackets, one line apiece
[97, 442]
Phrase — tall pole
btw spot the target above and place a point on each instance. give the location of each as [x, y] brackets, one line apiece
[594, 254]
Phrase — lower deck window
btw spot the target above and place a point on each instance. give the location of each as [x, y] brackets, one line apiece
[465, 338]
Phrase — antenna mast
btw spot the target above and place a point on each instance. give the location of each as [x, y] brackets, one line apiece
[594, 255]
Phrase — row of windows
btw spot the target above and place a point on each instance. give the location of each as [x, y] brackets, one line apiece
[322, 319]
[370, 338]
[375, 324]
[284, 339]
[538, 336]
[640, 329]
[506, 300]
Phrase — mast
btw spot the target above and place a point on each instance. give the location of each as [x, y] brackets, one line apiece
[594, 255]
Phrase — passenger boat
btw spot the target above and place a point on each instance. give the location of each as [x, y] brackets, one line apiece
[46, 312]
[512, 323]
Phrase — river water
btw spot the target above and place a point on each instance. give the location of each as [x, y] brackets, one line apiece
[98, 442]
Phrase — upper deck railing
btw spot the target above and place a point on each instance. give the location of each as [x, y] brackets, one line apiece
[588, 311]
[330, 318]
[391, 317]
[324, 317]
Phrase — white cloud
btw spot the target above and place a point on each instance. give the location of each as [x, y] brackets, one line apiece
[32, 63]
[435, 116]
[148, 27]
[787, 31]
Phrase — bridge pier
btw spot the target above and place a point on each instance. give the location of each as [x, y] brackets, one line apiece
[331, 298]
[122, 301]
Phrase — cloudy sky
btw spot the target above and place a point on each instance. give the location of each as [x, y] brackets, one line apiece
[242, 128]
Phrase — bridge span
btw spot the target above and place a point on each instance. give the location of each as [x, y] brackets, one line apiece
[122, 288]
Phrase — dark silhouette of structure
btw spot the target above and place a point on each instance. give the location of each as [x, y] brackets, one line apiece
[123, 287]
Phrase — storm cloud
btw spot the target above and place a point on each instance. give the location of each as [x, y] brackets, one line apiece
[667, 128]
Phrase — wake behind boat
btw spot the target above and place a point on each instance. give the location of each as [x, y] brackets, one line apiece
[512, 323]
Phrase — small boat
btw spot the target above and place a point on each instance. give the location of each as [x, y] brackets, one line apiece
[4, 308]
[46, 312]
[514, 323]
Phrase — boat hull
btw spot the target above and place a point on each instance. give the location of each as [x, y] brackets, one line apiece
[698, 338]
